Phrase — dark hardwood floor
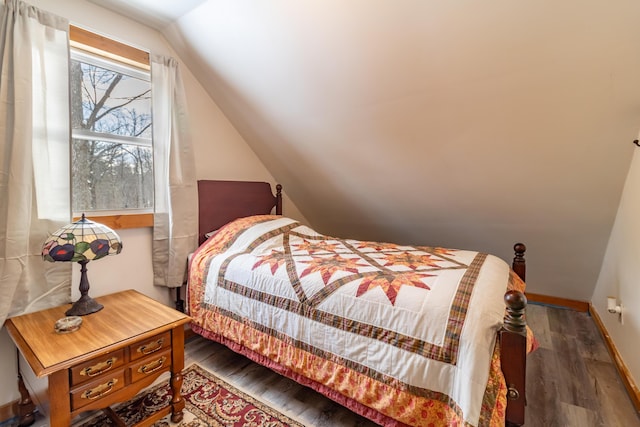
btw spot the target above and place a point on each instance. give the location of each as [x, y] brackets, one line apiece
[571, 379]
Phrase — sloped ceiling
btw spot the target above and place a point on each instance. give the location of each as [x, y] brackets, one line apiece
[460, 124]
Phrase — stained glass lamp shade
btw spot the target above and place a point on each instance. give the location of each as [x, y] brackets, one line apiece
[82, 241]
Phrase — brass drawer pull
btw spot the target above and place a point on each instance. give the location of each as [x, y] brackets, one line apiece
[153, 366]
[146, 349]
[99, 391]
[92, 371]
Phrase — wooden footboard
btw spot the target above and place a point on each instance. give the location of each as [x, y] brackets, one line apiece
[513, 345]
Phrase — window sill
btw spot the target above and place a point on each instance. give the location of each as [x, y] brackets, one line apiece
[119, 222]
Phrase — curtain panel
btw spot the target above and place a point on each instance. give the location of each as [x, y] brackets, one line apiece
[175, 228]
[34, 156]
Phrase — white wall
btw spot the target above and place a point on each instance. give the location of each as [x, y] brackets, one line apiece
[221, 153]
[620, 274]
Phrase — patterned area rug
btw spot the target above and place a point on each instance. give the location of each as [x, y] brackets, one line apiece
[210, 402]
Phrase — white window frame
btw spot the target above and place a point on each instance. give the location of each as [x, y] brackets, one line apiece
[102, 51]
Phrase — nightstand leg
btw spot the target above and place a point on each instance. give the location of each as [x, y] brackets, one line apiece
[59, 399]
[26, 408]
[177, 402]
[177, 364]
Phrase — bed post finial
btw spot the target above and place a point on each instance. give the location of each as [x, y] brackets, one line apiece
[278, 199]
[519, 264]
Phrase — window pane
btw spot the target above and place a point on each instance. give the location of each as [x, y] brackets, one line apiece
[112, 171]
[111, 176]
[109, 101]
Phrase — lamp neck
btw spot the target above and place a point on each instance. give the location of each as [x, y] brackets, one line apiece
[84, 280]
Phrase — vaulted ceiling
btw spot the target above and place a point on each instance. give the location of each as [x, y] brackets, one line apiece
[461, 124]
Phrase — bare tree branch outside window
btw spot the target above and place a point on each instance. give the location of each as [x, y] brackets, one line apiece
[111, 158]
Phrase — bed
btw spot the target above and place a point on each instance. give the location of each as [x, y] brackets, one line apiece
[402, 335]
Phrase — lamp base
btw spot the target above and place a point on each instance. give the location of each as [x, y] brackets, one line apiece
[85, 305]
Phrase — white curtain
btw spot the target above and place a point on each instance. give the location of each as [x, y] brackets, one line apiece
[175, 229]
[34, 156]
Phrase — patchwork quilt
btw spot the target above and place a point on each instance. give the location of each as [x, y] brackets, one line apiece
[405, 335]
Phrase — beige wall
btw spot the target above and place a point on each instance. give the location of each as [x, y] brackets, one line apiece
[620, 274]
[459, 124]
[221, 153]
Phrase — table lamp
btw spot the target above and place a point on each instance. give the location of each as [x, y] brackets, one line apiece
[82, 241]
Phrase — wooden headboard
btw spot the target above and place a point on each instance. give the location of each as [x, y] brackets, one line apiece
[223, 201]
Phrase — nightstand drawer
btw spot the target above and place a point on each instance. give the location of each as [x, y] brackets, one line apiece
[152, 365]
[97, 366]
[90, 393]
[150, 346]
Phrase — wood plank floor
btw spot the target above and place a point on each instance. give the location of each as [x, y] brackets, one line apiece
[571, 379]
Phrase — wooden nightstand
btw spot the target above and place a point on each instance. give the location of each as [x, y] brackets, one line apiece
[117, 352]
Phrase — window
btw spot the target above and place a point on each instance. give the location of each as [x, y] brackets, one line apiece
[112, 150]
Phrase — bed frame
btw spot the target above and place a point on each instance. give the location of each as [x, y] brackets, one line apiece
[223, 201]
